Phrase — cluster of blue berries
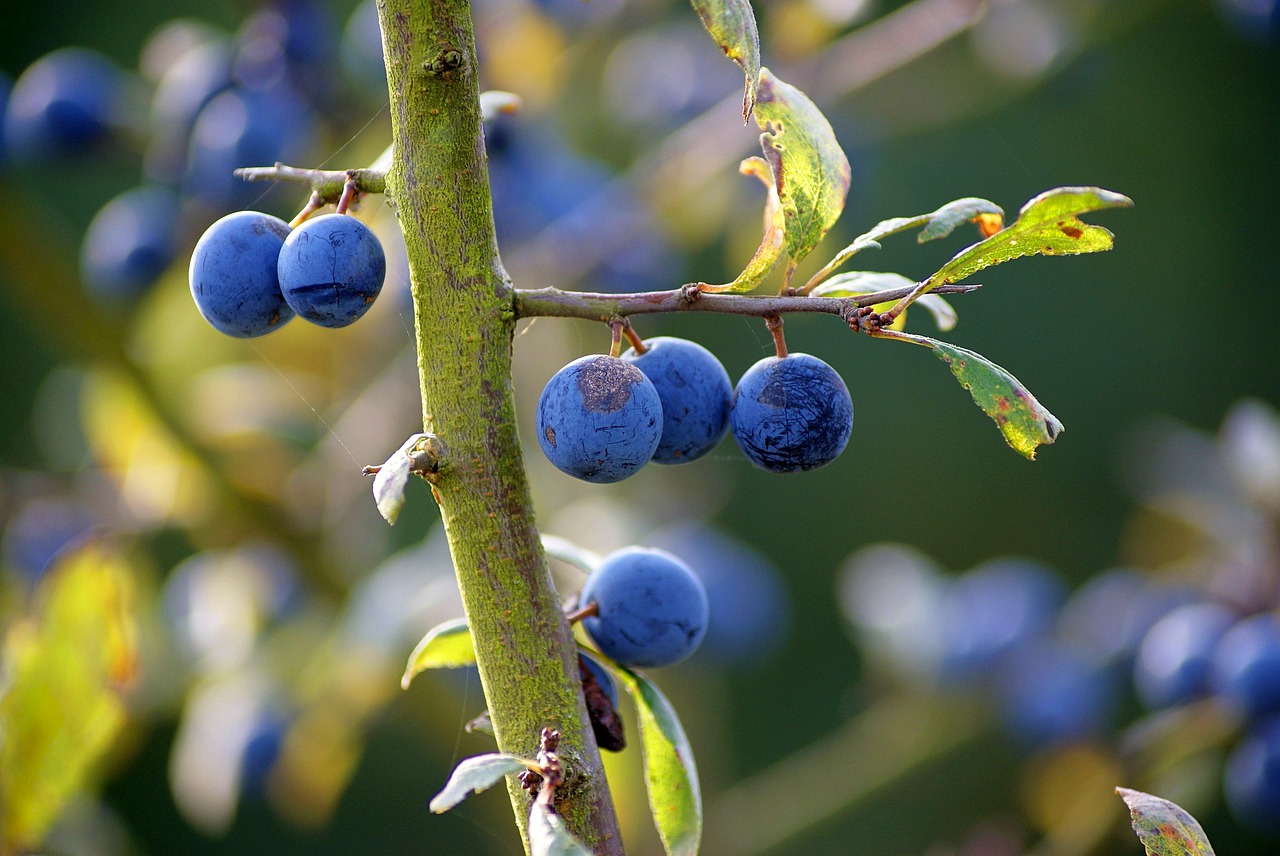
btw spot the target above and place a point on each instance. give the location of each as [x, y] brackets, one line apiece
[202, 103]
[250, 273]
[1063, 669]
[602, 418]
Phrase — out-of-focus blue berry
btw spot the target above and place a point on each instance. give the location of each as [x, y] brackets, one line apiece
[331, 269]
[599, 419]
[1246, 665]
[1251, 780]
[241, 128]
[289, 39]
[1111, 613]
[695, 391]
[191, 81]
[1175, 657]
[1052, 693]
[66, 101]
[362, 51]
[791, 414]
[750, 610]
[991, 611]
[233, 274]
[130, 243]
[1255, 19]
[652, 610]
[261, 750]
[6, 86]
[36, 534]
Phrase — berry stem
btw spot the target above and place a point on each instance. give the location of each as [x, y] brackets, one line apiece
[587, 611]
[350, 193]
[774, 324]
[314, 204]
[637, 344]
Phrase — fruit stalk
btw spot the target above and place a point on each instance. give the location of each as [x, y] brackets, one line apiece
[465, 329]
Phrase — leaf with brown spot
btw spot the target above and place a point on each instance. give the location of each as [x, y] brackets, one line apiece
[732, 25]
[1163, 827]
[1047, 225]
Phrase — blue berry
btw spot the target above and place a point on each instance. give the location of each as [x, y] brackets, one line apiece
[1174, 659]
[65, 101]
[262, 750]
[244, 128]
[599, 419]
[129, 243]
[1251, 778]
[791, 413]
[652, 610]
[331, 269]
[991, 611]
[193, 80]
[233, 274]
[1052, 693]
[1246, 665]
[695, 392]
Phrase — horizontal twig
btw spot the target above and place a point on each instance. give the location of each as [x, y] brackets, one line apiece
[557, 303]
[327, 183]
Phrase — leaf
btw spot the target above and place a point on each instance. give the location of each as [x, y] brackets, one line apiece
[675, 799]
[548, 836]
[770, 251]
[937, 224]
[732, 25]
[1047, 225]
[1165, 828]
[446, 646]
[65, 665]
[570, 553]
[858, 283]
[810, 170]
[1023, 421]
[392, 478]
[475, 774]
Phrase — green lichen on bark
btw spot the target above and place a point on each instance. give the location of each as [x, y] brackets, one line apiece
[465, 323]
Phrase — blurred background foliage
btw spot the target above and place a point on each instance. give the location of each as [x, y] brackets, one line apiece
[210, 488]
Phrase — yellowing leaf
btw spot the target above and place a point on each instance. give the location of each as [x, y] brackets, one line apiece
[1047, 225]
[66, 664]
[770, 251]
[1165, 828]
[810, 170]
[446, 646]
[732, 25]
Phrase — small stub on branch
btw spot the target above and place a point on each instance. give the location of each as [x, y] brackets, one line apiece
[422, 455]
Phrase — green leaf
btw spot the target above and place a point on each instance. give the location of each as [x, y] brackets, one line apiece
[732, 25]
[473, 775]
[860, 282]
[392, 478]
[770, 251]
[937, 224]
[810, 170]
[446, 646]
[570, 553]
[548, 836]
[1023, 421]
[675, 799]
[1165, 828]
[1048, 225]
[65, 665]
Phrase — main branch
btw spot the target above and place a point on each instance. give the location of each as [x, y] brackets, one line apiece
[465, 326]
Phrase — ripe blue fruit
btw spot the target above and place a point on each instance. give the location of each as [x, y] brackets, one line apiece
[695, 392]
[65, 101]
[791, 413]
[599, 419]
[130, 243]
[331, 268]
[1246, 665]
[233, 274]
[651, 609]
[1174, 659]
[1252, 778]
[1054, 693]
[993, 610]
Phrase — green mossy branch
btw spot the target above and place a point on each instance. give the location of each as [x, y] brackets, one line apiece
[465, 326]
